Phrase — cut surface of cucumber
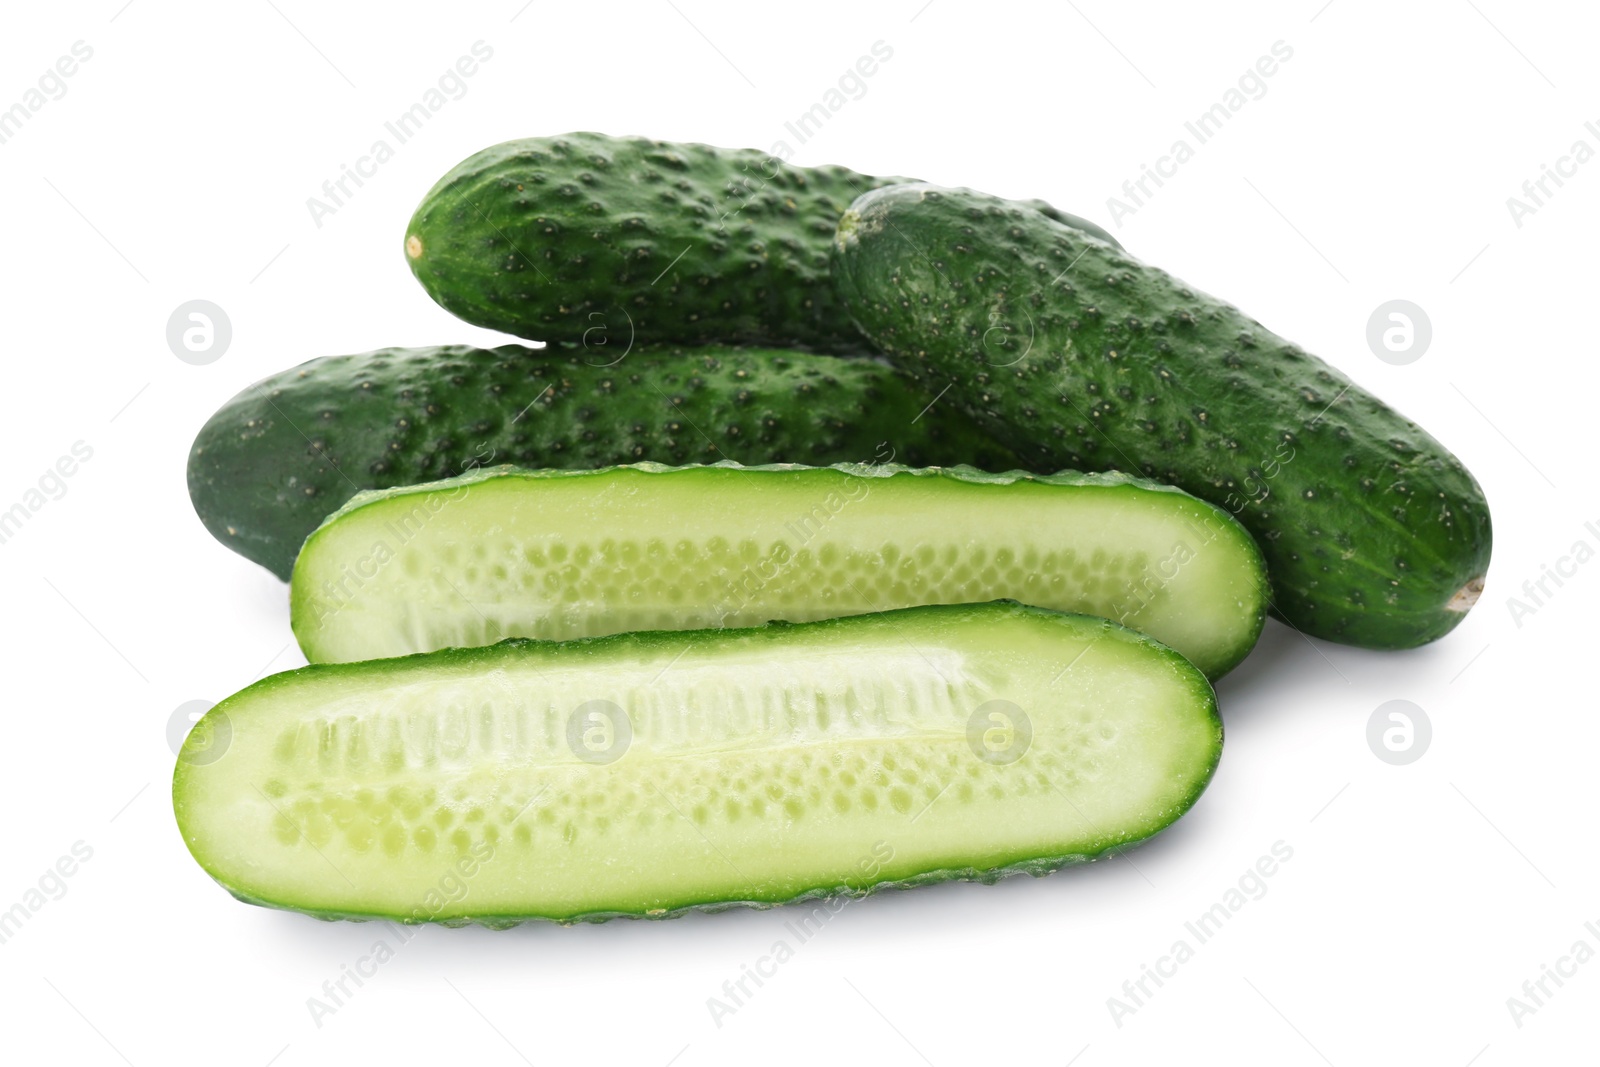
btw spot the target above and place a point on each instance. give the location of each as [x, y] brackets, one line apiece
[648, 774]
[558, 555]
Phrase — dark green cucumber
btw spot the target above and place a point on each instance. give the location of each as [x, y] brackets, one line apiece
[284, 454]
[650, 774]
[564, 554]
[587, 238]
[1078, 355]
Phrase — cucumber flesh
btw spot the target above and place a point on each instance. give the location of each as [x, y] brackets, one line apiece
[564, 554]
[752, 766]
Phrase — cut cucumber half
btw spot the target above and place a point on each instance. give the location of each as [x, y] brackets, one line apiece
[649, 774]
[564, 554]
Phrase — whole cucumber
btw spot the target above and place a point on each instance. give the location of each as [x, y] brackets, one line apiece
[584, 237]
[1078, 355]
[284, 454]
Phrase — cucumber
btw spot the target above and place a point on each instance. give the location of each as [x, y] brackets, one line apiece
[1078, 355]
[649, 774]
[564, 554]
[285, 453]
[587, 238]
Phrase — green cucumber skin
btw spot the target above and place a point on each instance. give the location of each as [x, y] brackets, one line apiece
[1375, 534]
[312, 606]
[192, 761]
[583, 237]
[277, 459]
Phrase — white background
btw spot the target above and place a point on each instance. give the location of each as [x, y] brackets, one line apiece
[1377, 165]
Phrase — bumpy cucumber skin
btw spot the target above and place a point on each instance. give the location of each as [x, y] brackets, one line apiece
[1078, 355]
[1217, 520]
[277, 459]
[468, 659]
[584, 236]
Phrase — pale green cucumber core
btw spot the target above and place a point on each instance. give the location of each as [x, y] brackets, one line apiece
[560, 555]
[757, 765]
